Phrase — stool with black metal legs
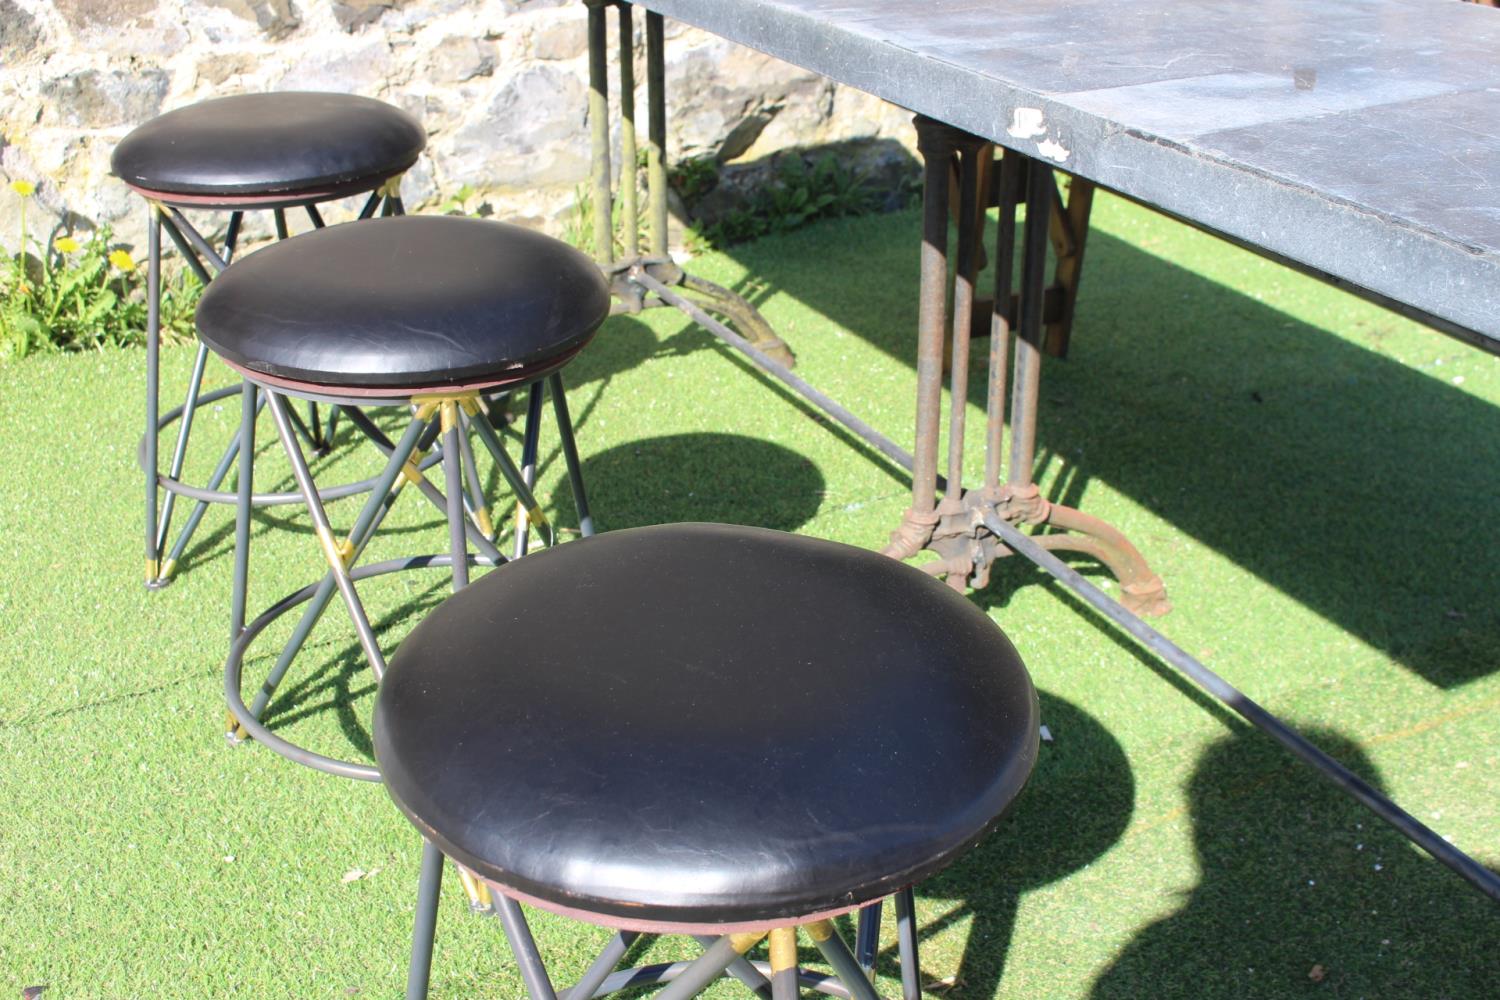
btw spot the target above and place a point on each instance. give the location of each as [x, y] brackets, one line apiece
[249, 152]
[669, 763]
[431, 314]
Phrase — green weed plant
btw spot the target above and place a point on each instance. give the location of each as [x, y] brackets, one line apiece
[66, 294]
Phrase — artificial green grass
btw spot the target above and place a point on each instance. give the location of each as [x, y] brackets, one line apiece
[1311, 475]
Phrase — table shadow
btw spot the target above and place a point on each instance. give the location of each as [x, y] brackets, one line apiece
[1336, 473]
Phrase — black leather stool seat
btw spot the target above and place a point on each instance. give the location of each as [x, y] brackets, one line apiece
[270, 144]
[705, 725]
[404, 301]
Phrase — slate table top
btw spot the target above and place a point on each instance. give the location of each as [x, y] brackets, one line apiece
[1356, 140]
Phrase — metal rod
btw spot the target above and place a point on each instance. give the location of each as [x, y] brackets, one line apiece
[325, 533]
[453, 467]
[200, 507]
[742, 969]
[245, 489]
[179, 451]
[186, 250]
[936, 154]
[376, 506]
[232, 236]
[656, 141]
[843, 963]
[153, 384]
[604, 243]
[523, 947]
[475, 487]
[201, 245]
[999, 362]
[315, 424]
[784, 982]
[704, 969]
[234, 666]
[1407, 825]
[858, 427]
[280, 216]
[630, 209]
[963, 315]
[424, 929]
[600, 969]
[433, 495]
[312, 213]
[570, 454]
[867, 938]
[906, 937]
[529, 438]
[1028, 371]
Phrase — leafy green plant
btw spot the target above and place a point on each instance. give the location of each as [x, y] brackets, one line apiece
[70, 295]
[694, 178]
[801, 193]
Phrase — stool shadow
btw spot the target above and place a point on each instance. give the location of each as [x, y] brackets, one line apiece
[1082, 780]
[699, 477]
[333, 683]
[1290, 898]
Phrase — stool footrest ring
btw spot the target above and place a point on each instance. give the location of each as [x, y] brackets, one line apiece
[252, 727]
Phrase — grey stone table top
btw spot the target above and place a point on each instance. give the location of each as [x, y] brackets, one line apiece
[1357, 140]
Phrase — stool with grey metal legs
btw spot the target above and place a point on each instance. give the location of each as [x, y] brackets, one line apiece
[667, 764]
[430, 314]
[246, 153]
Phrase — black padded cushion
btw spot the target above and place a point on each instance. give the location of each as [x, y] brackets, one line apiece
[404, 301]
[705, 724]
[267, 144]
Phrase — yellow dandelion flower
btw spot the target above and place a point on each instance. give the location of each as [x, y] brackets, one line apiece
[67, 244]
[23, 188]
[122, 260]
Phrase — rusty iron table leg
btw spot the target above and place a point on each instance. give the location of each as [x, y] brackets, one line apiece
[620, 262]
[952, 527]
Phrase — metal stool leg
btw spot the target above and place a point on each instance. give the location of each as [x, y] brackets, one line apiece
[906, 935]
[516, 480]
[153, 345]
[837, 953]
[529, 440]
[523, 947]
[784, 982]
[477, 504]
[570, 454]
[424, 932]
[453, 467]
[867, 938]
[246, 488]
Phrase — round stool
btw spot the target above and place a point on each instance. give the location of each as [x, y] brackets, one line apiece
[237, 154]
[688, 757]
[433, 314]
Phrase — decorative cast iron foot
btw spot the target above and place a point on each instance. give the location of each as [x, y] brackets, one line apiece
[631, 298]
[967, 549]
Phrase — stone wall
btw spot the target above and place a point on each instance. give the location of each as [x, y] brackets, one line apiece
[499, 84]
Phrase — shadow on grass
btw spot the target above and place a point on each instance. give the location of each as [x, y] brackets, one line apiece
[336, 682]
[1083, 775]
[1302, 891]
[699, 477]
[1337, 474]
